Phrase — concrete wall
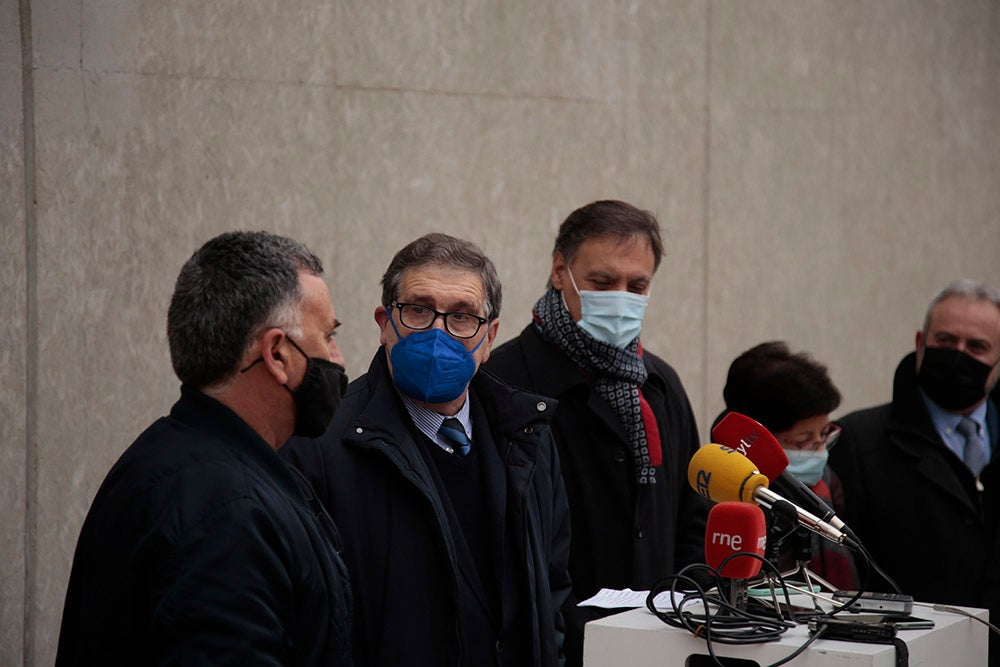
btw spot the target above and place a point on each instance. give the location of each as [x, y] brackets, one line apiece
[820, 168]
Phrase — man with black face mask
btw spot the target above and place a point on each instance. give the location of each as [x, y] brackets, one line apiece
[202, 546]
[921, 483]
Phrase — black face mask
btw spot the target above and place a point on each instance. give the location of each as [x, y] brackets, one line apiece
[951, 378]
[317, 396]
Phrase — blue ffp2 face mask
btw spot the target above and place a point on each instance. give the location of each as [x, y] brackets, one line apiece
[611, 316]
[431, 366]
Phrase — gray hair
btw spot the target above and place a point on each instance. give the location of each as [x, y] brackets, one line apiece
[233, 287]
[443, 250]
[967, 289]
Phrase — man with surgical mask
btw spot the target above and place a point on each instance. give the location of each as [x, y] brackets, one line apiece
[920, 470]
[624, 426]
[444, 481]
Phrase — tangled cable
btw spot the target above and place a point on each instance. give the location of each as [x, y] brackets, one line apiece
[717, 620]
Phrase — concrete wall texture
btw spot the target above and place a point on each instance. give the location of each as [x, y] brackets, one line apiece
[820, 168]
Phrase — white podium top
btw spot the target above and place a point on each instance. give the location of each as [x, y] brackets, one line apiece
[637, 638]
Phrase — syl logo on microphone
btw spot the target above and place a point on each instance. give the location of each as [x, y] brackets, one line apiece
[747, 443]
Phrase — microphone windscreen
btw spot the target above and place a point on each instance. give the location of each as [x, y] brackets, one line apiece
[749, 437]
[735, 528]
[723, 474]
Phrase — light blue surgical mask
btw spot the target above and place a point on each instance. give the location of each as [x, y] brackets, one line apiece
[806, 465]
[611, 316]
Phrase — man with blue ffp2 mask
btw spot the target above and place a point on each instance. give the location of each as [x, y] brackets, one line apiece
[444, 481]
[623, 426]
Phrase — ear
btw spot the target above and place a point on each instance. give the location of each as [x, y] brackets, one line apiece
[382, 319]
[491, 335]
[920, 338]
[273, 351]
[558, 271]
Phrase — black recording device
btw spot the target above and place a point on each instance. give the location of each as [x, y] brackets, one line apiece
[884, 603]
[853, 631]
[898, 621]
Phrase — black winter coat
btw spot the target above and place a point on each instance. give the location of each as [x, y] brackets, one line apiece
[625, 535]
[915, 505]
[404, 562]
[201, 548]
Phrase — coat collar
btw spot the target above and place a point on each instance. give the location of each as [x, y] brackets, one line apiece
[206, 415]
[553, 374]
[909, 414]
[514, 415]
[510, 410]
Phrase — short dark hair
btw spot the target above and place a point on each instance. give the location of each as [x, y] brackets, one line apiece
[234, 285]
[443, 250]
[777, 388]
[612, 218]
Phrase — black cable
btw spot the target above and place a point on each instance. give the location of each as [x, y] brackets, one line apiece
[871, 562]
[729, 624]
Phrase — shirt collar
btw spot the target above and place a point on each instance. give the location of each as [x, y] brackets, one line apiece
[429, 422]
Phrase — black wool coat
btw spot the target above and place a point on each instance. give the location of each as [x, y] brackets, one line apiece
[915, 505]
[624, 535]
[202, 548]
[409, 573]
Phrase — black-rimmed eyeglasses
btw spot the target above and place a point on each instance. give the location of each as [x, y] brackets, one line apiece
[417, 317]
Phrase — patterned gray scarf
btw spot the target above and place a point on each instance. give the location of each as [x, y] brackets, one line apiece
[617, 373]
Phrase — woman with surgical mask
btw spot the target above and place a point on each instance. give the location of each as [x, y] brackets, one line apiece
[792, 396]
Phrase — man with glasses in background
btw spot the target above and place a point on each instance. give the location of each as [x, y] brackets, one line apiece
[921, 483]
[792, 396]
[445, 482]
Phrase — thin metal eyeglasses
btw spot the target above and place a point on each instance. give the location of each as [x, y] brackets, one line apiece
[827, 440]
[417, 317]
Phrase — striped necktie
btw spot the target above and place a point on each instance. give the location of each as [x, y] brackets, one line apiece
[451, 431]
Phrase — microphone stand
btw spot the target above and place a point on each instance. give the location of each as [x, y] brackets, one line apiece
[802, 541]
[784, 531]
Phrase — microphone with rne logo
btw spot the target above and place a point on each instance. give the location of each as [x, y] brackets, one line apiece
[750, 438]
[735, 528]
[720, 473]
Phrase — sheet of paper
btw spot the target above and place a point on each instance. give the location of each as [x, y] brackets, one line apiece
[609, 598]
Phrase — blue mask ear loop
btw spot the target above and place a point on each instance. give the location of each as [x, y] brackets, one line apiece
[473, 350]
[389, 313]
[399, 338]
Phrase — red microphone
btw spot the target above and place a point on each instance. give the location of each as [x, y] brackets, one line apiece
[754, 441]
[735, 528]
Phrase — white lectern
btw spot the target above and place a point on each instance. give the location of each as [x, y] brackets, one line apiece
[637, 638]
